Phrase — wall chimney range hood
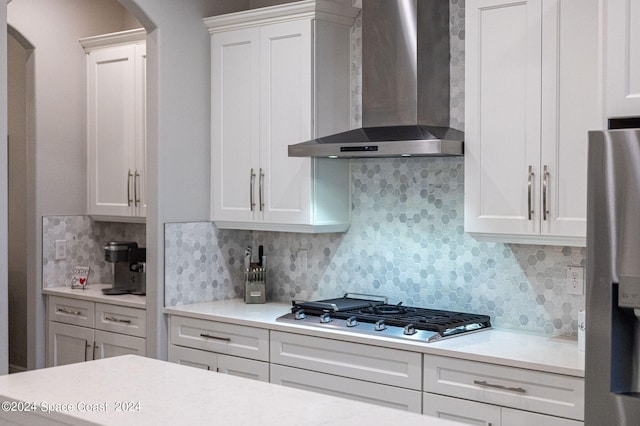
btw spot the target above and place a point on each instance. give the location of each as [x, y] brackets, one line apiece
[405, 86]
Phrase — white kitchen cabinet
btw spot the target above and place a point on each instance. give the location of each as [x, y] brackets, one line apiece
[81, 330]
[533, 90]
[557, 396]
[280, 76]
[383, 376]
[479, 414]
[116, 125]
[220, 347]
[622, 61]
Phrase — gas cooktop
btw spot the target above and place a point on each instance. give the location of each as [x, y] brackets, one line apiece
[374, 315]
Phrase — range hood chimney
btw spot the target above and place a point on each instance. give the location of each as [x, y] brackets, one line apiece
[405, 86]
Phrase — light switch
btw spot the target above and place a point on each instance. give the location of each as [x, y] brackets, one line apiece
[61, 249]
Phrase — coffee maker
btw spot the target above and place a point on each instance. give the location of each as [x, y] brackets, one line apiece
[129, 267]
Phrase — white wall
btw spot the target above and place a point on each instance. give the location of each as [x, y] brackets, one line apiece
[4, 335]
[56, 130]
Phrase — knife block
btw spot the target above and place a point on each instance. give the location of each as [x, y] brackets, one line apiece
[255, 288]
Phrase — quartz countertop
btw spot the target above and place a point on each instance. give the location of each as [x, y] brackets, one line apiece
[93, 292]
[131, 389]
[496, 346]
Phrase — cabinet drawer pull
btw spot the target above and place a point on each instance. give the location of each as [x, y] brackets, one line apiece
[208, 336]
[501, 387]
[69, 311]
[114, 319]
[530, 195]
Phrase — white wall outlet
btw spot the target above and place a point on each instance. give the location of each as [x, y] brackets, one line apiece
[301, 260]
[61, 249]
[575, 279]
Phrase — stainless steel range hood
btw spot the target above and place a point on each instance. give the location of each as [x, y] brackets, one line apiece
[405, 86]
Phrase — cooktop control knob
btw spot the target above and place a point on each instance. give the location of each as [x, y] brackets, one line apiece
[352, 321]
[300, 314]
[380, 325]
[409, 329]
[325, 318]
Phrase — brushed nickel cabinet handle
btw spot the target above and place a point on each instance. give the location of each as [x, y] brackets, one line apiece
[261, 190]
[129, 176]
[208, 336]
[530, 189]
[69, 311]
[252, 178]
[545, 195]
[136, 195]
[496, 386]
[114, 319]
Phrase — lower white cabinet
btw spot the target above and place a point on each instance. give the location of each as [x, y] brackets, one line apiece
[221, 347]
[521, 397]
[358, 390]
[81, 330]
[383, 376]
[477, 413]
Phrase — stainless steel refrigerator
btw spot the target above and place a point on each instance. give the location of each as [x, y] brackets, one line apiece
[612, 372]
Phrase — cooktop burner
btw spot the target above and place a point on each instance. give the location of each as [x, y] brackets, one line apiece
[373, 315]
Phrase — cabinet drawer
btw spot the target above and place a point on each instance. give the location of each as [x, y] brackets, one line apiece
[354, 360]
[121, 319]
[529, 390]
[358, 390]
[71, 311]
[224, 338]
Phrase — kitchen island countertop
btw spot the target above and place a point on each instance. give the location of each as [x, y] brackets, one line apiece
[135, 390]
[504, 347]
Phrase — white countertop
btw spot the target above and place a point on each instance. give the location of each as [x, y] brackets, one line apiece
[161, 393]
[93, 292]
[503, 347]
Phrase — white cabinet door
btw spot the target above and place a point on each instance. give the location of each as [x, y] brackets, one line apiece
[193, 358]
[358, 390]
[512, 417]
[111, 129]
[116, 124]
[69, 344]
[112, 344]
[285, 118]
[242, 367]
[533, 90]
[623, 58]
[502, 130]
[571, 106]
[235, 124]
[461, 410]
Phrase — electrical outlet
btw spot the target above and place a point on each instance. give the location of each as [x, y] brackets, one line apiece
[575, 278]
[301, 260]
[61, 249]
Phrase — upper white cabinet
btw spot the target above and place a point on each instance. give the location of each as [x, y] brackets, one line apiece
[280, 76]
[623, 58]
[116, 134]
[533, 90]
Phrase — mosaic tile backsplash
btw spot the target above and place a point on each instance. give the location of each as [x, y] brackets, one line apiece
[406, 241]
[85, 247]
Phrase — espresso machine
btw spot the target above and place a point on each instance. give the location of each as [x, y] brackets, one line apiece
[129, 267]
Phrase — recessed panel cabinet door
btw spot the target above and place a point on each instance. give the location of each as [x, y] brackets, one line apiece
[235, 125]
[69, 344]
[112, 129]
[502, 116]
[285, 117]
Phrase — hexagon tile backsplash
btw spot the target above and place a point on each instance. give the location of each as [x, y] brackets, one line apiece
[406, 241]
